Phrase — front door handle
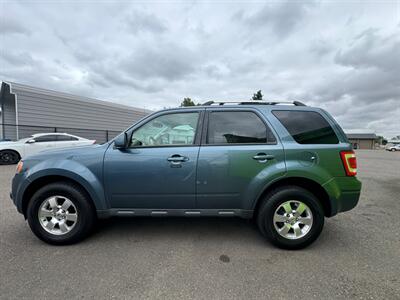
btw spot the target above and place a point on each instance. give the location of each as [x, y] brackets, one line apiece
[262, 157]
[177, 158]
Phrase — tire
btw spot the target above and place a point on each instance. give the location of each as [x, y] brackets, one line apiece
[393, 150]
[275, 208]
[65, 228]
[9, 157]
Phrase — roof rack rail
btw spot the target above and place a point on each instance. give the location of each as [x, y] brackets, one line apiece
[295, 103]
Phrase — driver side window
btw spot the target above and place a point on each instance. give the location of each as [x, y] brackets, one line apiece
[167, 130]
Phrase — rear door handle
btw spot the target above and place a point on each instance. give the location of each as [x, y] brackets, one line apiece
[262, 157]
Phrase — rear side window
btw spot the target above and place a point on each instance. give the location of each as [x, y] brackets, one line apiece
[46, 138]
[66, 138]
[307, 127]
[237, 127]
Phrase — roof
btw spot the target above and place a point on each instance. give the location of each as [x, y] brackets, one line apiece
[254, 102]
[50, 133]
[359, 131]
[238, 105]
[362, 136]
[24, 87]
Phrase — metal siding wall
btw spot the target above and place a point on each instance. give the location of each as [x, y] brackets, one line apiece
[24, 132]
[363, 144]
[366, 144]
[8, 117]
[48, 110]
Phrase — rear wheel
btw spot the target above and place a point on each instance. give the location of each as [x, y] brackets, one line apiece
[60, 213]
[291, 217]
[393, 149]
[9, 157]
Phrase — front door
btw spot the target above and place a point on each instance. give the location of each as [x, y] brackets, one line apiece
[158, 169]
[238, 155]
[41, 143]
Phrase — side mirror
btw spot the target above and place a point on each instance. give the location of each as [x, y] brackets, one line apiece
[31, 141]
[136, 143]
[121, 141]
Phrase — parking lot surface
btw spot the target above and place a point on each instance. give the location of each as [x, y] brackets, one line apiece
[357, 255]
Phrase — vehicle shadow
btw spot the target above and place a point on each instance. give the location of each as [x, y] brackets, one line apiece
[178, 228]
[206, 230]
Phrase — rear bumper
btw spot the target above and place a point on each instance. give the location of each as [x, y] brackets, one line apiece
[344, 193]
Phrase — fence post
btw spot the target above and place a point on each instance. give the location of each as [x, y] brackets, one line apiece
[107, 135]
[55, 129]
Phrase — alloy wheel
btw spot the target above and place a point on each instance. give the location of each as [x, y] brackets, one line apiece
[7, 157]
[58, 215]
[293, 219]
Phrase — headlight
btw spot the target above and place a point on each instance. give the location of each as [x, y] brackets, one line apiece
[19, 167]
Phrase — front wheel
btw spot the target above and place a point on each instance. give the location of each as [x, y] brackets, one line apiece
[60, 213]
[291, 217]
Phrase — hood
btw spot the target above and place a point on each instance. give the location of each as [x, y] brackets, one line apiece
[8, 143]
[67, 153]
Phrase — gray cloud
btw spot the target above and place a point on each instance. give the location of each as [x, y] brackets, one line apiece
[18, 59]
[142, 22]
[168, 61]
[282, 19]
[321, 47]
[331, 55]
[372, 50]
[11, 25]
[372, 73]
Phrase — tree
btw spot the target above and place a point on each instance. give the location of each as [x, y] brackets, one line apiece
[257, 96]
[187, 102]
[382, 140]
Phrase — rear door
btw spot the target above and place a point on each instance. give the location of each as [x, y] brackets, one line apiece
[238, 156]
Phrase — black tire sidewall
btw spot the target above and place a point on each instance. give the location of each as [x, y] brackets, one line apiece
[80, 200]
[11, 162]
[280, 196]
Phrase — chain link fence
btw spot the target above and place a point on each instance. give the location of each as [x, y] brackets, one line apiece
[15, 132]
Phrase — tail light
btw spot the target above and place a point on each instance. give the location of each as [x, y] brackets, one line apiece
[349, 162]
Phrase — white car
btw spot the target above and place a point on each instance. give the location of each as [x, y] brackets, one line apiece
[12, 152]
[393, 148]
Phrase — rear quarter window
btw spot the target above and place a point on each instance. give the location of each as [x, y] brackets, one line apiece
[307, 127]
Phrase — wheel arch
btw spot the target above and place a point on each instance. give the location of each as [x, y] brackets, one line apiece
[40, 182]
[310, 185]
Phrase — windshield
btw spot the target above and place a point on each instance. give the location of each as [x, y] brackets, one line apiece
[25, 139]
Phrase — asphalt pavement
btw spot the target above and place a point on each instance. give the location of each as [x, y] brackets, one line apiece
[357, 255]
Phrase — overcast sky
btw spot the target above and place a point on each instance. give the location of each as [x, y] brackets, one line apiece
[343, 56]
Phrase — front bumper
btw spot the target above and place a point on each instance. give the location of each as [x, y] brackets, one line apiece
[18, 186]
[344, 193]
